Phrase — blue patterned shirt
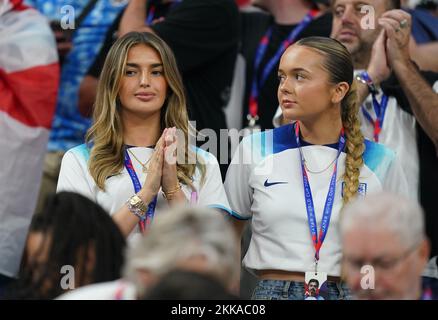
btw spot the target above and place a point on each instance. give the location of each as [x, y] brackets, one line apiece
[69, 127]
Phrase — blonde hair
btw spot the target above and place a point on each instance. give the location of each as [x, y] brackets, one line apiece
[180, 235]
[106, 133]
[338, 63]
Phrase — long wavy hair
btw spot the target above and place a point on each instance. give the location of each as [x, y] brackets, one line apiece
[338, 63]
[106, 134]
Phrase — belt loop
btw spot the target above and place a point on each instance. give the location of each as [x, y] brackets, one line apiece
[341, 290]
[286, 287]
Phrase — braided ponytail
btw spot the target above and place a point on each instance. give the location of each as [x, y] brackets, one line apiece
[339, 66]
[354, 142]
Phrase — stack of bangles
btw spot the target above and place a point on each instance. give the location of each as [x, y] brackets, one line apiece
[170, 194]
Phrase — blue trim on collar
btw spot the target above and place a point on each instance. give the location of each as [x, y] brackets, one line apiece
[229, 211]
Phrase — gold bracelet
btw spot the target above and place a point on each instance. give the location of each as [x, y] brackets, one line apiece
[169, 194]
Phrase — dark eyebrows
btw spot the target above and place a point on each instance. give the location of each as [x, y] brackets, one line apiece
[156, 65]
[361, 4]
[135, 65]
[294, 70]
[355, 3]
[335, 5]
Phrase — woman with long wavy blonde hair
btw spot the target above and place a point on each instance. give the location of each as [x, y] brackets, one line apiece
[140, 133]
[318, 163]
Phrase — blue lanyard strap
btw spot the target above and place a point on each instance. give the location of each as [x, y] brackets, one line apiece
[152, 8]
[143, 224]
[380, 110]
[151, 15]
[328, 206]
[260, 53]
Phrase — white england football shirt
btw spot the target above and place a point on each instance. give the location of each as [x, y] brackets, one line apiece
[398, 133]
[264, 183]
[75, 177]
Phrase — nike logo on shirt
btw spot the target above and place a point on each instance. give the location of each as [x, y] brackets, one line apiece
[268, 184]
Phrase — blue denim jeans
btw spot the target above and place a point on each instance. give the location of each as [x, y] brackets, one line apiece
[293, 290]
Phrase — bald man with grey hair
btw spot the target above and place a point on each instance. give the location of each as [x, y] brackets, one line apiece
[385, 249]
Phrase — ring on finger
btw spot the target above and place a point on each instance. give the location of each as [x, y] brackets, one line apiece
[404, 23]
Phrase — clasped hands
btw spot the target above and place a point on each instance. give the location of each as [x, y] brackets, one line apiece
[391, 49]
[162, 171]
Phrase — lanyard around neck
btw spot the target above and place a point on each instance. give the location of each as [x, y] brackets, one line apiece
[144, 223]
[329, 202]
[153, 8]
[380, 110]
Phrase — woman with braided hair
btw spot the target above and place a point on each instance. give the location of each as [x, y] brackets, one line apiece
[293, 181]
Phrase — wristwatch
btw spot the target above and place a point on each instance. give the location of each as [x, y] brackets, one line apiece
[137, 206]
[365, 78]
